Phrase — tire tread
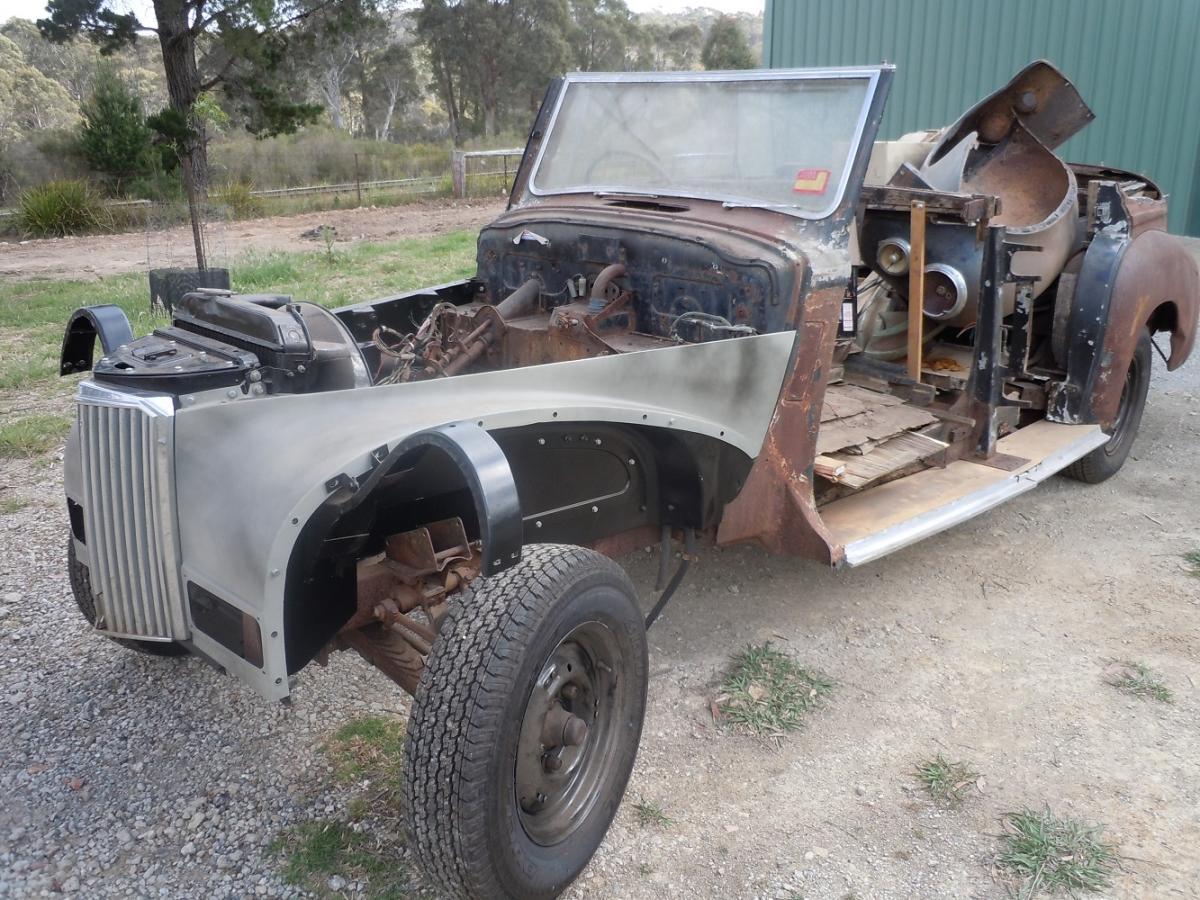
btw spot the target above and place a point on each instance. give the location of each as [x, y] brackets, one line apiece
[456, 713]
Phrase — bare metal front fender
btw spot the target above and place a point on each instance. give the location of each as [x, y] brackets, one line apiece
[251, 473]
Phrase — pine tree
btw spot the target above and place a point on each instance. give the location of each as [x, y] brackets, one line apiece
[114, 137]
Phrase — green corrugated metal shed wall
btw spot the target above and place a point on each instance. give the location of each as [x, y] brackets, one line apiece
[1136, 62]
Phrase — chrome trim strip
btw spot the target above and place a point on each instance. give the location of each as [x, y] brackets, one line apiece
[871, 73]
[927, 524]
[151, 404]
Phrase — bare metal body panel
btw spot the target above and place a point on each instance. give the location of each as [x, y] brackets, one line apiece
[725, 390]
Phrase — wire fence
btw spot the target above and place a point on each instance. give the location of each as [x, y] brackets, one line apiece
[471, 173]
[484, 173]
[426, 185]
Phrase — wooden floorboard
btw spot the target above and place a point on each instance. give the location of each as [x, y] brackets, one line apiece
[876, 509]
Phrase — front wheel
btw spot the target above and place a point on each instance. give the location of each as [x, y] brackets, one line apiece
[1106, 460]
[525, 725]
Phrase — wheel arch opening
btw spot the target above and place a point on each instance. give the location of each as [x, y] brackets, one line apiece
[456, 471]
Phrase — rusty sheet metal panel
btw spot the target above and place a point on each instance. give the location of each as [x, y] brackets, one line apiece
[1155, 274]
[1133, 62]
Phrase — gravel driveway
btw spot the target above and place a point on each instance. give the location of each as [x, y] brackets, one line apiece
[124, 775]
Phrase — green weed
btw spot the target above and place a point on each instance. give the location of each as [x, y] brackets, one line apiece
[767, 693]
[1046, 854]
[649, 813]
[316, 851]
[369, 749]
[945, 780]
[10, 505]
[32, 435]
[1139, 680]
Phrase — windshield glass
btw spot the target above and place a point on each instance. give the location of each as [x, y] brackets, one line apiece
[784, 142]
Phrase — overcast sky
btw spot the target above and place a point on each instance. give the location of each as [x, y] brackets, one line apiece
[36, 9]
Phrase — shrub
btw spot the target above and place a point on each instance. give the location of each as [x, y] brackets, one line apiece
[59, 208]
[114, 137]
[239, 197]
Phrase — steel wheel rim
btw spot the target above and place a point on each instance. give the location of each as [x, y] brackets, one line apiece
[580, 678]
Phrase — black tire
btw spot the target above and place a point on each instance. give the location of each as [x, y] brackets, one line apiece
[498, 661]
[1105, 461]
[81, 587]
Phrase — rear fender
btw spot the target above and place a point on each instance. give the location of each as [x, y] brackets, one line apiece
[1124, 286]
[1157, 286]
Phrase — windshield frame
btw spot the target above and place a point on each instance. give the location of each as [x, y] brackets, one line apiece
[869, 73]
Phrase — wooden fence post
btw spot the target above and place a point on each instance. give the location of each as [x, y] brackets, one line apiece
[458, 172]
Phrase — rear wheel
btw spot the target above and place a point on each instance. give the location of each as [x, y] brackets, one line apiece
[525, 725]
[1106, 460]
[81, 587]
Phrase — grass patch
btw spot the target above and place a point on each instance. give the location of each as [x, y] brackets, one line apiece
[945, 780]
[369, 749]
[32, 436]
[10, 505]
[34, 313]
[1139, 680]
[651, 814]
[316, 852]
[767, 692]
[1192, 558]
[1045, 854]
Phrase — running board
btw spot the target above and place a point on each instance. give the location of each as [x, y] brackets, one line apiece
[881, 520]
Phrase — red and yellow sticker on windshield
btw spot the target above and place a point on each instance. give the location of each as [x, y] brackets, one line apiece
[811, 181]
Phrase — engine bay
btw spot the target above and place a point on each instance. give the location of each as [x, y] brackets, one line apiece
[545, 292]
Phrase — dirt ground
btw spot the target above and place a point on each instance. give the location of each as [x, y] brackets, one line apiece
[987, 643]
[99, 256]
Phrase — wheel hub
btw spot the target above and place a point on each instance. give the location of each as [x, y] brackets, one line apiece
[564, 744]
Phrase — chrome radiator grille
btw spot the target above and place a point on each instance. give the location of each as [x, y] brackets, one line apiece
[126, 445]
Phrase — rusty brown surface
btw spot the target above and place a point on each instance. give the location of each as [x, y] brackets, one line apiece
[252, 640]
[1039, 96]
[776, 507]
[1158, 283]
[618, 545]
[916, 289]
[389, 652]
[419, 570]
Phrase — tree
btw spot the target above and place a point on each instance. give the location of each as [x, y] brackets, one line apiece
[114, 137]
[391, 81]
[663, 47]
[489, 53]
[244, 44]
[29, 101]
[601, 35]
[726, 47]
[72, 65]
[438, 27]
